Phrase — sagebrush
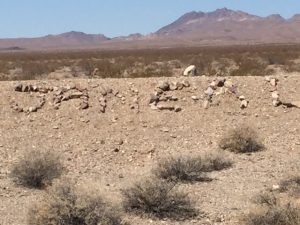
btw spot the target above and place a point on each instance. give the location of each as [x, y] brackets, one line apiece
[189, 169]
[66, 205]
[159, 199]
[242, 139]
[37, 169]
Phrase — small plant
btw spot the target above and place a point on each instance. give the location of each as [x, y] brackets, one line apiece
[241, 140]
[158, 198]
[188, 169]
[65, 205]
[291, 185]
[37, 169]
[273, 212]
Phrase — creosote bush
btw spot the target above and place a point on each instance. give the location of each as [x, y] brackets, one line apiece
[274, 213]
[189, 169]
[37, 169]
[66, 205]
[241, 140]
[291, 185]
[159, 199]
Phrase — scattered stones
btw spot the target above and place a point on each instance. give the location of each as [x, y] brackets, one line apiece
[190, 71]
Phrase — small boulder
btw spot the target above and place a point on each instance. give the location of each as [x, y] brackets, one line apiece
[242, 97]
[206, 104]
[274, 82]
[209, 91]
[165, 86]
[275, 95]
[19, 87]
[190, 71]
[276, 102]
[153, 98]
[186, 83]
[244, 104]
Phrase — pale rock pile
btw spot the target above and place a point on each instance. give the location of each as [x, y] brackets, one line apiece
[70, 92]
[219, 87]
[134, 92]
[163, 94]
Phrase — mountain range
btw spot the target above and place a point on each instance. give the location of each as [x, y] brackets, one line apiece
[220, 27]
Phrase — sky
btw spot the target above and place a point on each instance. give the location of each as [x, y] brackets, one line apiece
[34, 18]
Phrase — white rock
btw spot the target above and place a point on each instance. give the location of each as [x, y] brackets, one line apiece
[209, 91]
[206, 104]
[190, 71]
[242, 97]
[273, 82]
[276, 102]
[275, 95]
[244, 104]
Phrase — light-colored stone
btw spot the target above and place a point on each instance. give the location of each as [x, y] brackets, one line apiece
[242, 97]
[244, 104]
[276, 102]
[165, 86]
[209, 91]
[205, 104]
[273, 82]
[275, 95]
[190, 71]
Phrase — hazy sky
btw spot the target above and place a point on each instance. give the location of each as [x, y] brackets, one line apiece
[29, 18]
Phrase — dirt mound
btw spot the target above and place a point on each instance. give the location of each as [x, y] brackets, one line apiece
[110, 136]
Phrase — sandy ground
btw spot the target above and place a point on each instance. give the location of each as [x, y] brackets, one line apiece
[87, 139]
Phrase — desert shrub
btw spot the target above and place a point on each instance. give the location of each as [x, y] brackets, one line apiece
[189, 169]
[273, 212]
[65, 205]
[37, 169]
[241, 140]
[291, 185]
[276, 215]
[159, 199]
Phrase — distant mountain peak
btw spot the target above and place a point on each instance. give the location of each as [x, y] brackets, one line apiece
[277, 17]
[295, 18]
